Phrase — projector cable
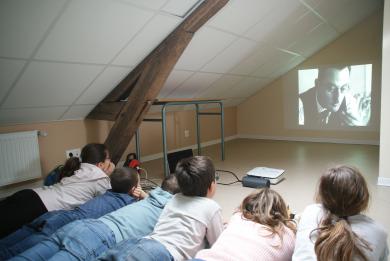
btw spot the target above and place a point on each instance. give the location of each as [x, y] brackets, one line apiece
[230, 172]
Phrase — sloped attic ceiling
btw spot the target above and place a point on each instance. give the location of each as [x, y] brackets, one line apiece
[58, 59]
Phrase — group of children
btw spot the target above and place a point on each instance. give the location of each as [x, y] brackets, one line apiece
[180, 221]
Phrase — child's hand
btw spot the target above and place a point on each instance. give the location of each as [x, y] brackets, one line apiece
[109, 168]
[139, 193]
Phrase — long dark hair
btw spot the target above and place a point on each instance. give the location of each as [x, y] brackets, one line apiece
[343, 193]
[268, 208]
[92, 153]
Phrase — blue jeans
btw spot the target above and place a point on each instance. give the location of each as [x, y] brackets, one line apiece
[79, 240]
[138, 250]
[38, 230]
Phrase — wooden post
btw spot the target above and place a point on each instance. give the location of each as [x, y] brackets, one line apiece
[143, 84]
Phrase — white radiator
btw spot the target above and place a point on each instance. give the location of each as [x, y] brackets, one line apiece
[19, 157]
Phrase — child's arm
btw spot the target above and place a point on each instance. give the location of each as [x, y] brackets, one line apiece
[215, 229]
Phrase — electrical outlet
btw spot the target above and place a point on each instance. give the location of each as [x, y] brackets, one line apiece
[186, 133]
[73, 153]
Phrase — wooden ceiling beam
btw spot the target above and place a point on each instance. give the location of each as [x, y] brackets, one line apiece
[143, 84]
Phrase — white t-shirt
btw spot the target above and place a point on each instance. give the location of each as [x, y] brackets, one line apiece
[187, 224]
[363, 226]
[87, 182]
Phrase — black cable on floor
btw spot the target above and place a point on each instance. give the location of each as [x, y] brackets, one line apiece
[230, 172]
[148, 186]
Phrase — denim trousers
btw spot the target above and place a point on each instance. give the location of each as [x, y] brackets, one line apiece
[38, 230]
[79, 240]
[138, 250]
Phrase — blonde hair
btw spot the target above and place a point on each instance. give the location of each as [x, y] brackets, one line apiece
[268, 208]
[343, 192]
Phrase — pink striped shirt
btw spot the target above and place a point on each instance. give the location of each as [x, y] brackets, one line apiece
[247, 240]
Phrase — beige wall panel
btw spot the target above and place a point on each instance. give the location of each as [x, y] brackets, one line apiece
[64, 135]
[263, 114]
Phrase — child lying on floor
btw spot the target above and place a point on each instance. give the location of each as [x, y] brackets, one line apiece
[86, 239]
[260, 230]
[125, 190]
[189, 222]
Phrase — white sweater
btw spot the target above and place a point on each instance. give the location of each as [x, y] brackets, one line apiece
[362, 225]
[86, 183]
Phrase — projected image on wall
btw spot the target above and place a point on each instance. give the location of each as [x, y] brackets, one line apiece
[335, 96]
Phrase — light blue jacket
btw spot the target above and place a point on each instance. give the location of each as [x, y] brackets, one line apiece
[137, 220]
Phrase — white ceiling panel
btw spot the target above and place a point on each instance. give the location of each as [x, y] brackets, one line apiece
[312, 3]
[293, 28]
[77, 112]
[9, 70]
[51, 84]
[231, 56]
[93, 31]
[220, 86]
[351, 13]
[150, 37]
[315, 40]
[256, 59]
[174, 80]
[342, 15]
[244, 88]
[284, 68]
[27, 115]
[102, 85]
[276, 19]
[58, 59]
[251, 90]
[238, 16]
[194, 85]
[278, 59]
[23, 23]
[179, 7]
[205, 45]
[152, 4]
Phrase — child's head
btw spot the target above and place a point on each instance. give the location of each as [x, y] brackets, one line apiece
[96, 154]
[124, 180]
[93, 153]
[170, 184]
[343, 193]
[267, 207]
[196, 176]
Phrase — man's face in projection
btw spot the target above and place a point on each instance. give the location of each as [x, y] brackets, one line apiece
[332, 85]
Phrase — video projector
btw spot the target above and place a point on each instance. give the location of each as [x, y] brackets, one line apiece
[255, 182]
[262, 177]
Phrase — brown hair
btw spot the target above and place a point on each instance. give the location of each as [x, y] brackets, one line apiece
[343, 192]
[195, 175]
[268, 208]
[92, 153]
[124, 179]
[170, 184]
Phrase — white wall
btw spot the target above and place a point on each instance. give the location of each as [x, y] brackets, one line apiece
[384, 162]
